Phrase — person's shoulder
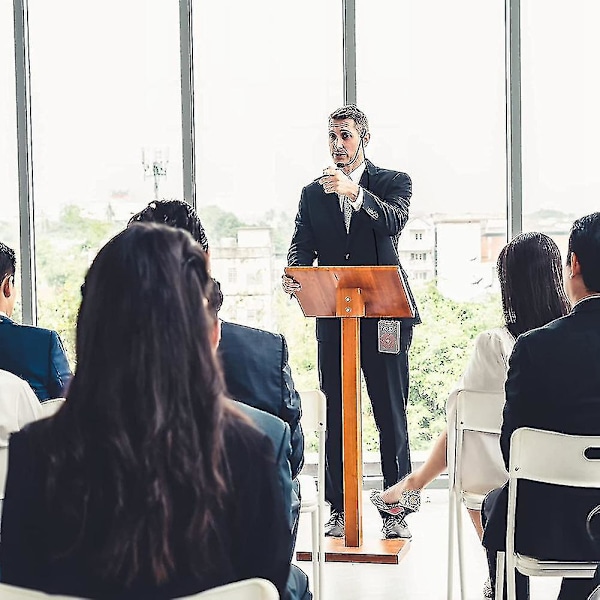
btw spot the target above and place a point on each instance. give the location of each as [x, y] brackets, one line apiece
[244, 435]
[33, 330]
[546, 333]
[384, 172]
[235, 329]
[267, 423]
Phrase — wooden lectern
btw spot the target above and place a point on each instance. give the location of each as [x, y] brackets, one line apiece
[352, 293]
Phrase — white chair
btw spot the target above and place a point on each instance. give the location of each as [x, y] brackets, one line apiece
[11, 592]
[529, 452]
[249, 589]
[478, 412]
[50, 407]
[314, 415]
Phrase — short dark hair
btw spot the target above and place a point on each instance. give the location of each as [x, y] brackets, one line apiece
[530, 274]
[176, 214]
[584, 241]
[351, 111]
[181, 215]
[8, 261]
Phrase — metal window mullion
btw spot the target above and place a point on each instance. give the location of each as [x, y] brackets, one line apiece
[187, 101]
[514, 167]
[25, 163]
[349, 42]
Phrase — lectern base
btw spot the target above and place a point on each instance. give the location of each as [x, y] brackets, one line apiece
[384, 552]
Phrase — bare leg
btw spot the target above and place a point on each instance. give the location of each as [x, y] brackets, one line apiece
[476, 518]
[434, 465]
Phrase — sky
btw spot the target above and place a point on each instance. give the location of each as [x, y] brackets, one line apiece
[105, 87]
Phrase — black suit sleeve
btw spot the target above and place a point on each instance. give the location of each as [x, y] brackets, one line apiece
[58, 368]
[291, 411]
[303, 248]
[389, 213]
[522, 391]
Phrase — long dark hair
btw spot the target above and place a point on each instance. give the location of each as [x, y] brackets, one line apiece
[530, 274]
[137, 467]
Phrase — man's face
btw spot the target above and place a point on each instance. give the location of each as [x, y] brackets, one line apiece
[344, 141]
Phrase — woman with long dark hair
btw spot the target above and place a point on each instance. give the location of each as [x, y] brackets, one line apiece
[148, 483]
[530, 274]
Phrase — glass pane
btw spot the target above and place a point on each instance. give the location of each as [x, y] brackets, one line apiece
[430, 78]
[561, 121]
[106, 132]
[9, 184]
[263, 95]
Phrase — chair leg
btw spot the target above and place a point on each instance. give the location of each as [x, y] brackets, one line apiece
[316, 552]
[499, 590]
[461, 549]
[451, 533]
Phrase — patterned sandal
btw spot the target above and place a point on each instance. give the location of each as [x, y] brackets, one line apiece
[410, 501]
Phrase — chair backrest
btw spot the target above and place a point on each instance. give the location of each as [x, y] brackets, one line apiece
[249, 589]
[477, 412]
[50, 407]
[569, 465]
[314, 410]
[530, 449]
[11, 592]
[480, 411]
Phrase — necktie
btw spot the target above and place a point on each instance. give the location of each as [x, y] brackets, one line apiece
[348, 210]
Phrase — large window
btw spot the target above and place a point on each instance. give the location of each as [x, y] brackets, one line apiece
[267, 75]
[561, 120]
[106, 132]
[9, 186]
[430, 77]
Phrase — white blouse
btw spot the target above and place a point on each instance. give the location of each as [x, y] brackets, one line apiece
[483, 467]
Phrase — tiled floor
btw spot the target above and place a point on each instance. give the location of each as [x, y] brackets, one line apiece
[422, 573]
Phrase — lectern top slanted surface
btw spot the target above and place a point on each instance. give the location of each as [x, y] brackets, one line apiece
[382, 288]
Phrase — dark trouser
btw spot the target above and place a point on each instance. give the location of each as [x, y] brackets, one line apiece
[386, 377]
[494, 541]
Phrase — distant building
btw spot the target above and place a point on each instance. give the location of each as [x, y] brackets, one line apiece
[416, 249]
[245, 268]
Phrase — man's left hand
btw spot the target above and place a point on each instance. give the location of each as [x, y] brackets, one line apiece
[335, 181]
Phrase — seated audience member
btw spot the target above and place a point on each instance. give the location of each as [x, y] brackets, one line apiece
[34, 354]
[257, 374]
[529, 269]
[255, 362]
[554, 384]
[149, 482]
[18, 407]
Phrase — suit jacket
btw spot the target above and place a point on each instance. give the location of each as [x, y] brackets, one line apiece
[553, 384]
[35, 355]
[252, 526]
[257, 373]
[320, 233]
[279, 434]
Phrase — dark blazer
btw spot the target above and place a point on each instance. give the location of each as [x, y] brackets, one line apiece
[257, 373]
[279, 434]
[35, 355]
[553, 384]
[252, 526]
[320, 233]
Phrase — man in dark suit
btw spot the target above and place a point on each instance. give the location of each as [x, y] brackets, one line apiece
[258, 376]
[32, 353]
[257, 373]
[354, 215]
[554, 384]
